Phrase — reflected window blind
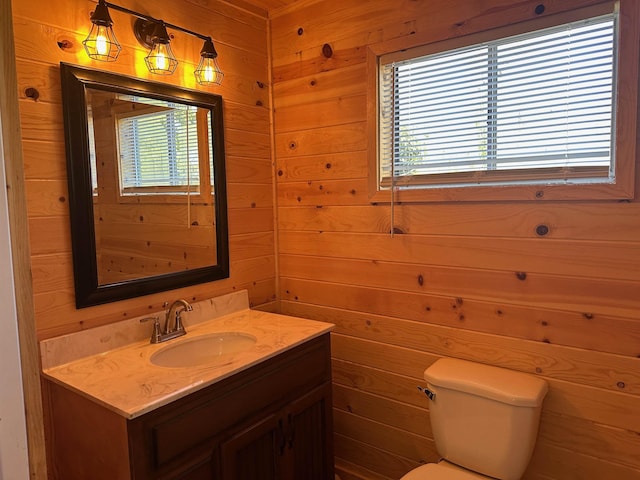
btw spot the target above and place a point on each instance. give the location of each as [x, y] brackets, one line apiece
[529, 108]
[92, 149]
[159, 149]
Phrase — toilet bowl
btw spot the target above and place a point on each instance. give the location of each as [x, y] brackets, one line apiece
[484, 421]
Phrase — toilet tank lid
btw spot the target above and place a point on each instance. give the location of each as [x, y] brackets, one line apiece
[500, 384]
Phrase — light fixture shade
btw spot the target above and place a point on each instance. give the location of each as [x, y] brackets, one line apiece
[101, 43]
[208, 71]
[161, 59]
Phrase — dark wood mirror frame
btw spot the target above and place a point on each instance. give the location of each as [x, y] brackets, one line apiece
[88, 291]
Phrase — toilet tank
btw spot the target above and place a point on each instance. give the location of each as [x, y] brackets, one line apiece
[484, 418]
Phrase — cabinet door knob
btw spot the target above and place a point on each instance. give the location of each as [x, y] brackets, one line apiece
[283, 437]
[292, 430]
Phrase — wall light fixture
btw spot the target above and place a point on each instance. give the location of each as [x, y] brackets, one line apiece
[101, 44]
[208, 72]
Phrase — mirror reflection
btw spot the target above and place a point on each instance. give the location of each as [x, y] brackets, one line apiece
[154, 205]
[147, 193]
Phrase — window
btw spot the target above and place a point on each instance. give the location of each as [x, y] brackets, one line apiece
[519, 111]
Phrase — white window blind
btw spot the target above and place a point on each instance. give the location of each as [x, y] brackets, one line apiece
[531, 108]
[159, 149]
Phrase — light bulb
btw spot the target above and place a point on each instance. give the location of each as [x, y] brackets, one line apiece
[161, 61]
[102, 46]
[209, 74]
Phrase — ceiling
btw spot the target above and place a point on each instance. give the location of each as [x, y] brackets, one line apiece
[271, 5]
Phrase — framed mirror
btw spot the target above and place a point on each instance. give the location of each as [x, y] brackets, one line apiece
[147, 187]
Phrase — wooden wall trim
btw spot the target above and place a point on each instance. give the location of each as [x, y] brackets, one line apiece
[18, 225]
[274, 183]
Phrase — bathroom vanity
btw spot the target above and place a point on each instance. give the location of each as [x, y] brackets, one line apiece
[261, 413]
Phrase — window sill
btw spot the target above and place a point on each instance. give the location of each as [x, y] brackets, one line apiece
[490, 193]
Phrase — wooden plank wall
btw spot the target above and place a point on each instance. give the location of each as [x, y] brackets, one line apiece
[469, 280]
[45, 36]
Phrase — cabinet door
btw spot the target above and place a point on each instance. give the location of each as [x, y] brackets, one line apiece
[294, 443]
[202, 471]
[254, 453]
[310, 441]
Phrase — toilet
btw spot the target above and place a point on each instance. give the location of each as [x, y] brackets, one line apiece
[484, 421]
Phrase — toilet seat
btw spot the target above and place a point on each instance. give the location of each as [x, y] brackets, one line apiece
[443, 471]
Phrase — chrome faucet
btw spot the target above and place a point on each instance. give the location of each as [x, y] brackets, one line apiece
[173, 313]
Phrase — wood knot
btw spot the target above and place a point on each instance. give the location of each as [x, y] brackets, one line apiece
[32, 93]
[539, 10]
[280, 173]
[65, 44]
[542, 230]
[521, 275]
[420, 280]
[260, 84]
[327, 51]
[300, 31]
[398, 231]
[539, 194]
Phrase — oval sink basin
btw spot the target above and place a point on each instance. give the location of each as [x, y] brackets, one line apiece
[213, 349]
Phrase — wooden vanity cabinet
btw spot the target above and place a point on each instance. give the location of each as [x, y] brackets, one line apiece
[271, 421]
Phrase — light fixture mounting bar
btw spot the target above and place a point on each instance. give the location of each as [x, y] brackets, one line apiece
[149, 18]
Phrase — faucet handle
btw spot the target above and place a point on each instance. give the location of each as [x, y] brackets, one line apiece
[179, 327]
[155, 334]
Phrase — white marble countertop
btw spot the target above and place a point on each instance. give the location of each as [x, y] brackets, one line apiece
[124, 380]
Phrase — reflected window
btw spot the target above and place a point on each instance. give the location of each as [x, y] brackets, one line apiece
[161, 147]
